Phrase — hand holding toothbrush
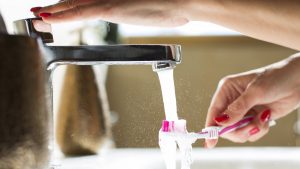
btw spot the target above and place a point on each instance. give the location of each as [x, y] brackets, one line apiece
[267, 93]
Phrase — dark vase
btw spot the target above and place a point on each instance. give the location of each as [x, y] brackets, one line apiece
[24, 111]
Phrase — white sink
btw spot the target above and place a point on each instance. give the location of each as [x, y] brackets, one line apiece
[219, 158]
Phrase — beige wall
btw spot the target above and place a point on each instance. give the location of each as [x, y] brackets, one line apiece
[134, 91]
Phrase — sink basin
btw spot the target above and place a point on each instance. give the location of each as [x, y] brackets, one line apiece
[219, 158]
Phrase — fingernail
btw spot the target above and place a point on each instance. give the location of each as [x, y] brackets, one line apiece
[45, 15]
[222, 118]
[265, 116]
[35, 9]
[254, 131]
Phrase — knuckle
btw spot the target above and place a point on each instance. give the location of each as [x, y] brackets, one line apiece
[236, 107]
[71, 3]
[244, 102]
[226, 80]
[77, 11]
[258, 89]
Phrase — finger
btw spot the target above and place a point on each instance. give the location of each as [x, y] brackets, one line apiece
[211, 143]
[262, 121]
[261, 129]
[62, 6]
[242, 135]
[238, 109]
[264, 116]
[90, 11]
[221, 99]
[253, 131]
[258, 134]
[217, 105]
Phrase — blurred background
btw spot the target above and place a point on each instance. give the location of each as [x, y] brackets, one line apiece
[210, 52]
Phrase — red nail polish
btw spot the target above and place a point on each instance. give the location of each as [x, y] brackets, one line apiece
[35, 9]
[222, 118]
[254, 131]
[45, 15]
[265, 116]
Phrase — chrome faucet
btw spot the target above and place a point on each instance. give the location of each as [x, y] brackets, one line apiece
[159, 56]
[25, 92]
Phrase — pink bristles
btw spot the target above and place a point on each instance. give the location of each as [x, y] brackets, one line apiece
[165, 126]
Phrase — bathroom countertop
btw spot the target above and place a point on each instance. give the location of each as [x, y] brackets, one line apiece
[218, 158]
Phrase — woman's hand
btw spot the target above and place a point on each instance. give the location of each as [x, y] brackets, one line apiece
[272, 21]
[150, 12]
[267, 93]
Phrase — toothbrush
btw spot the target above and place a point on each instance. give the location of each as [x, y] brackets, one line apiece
[178, 129]
[174, 133]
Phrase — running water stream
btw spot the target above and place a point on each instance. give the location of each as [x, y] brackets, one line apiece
[168, 93]
[168, 145]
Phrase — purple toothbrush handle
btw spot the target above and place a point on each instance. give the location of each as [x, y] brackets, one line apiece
[246, 120]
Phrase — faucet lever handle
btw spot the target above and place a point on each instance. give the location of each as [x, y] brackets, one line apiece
[34, 27]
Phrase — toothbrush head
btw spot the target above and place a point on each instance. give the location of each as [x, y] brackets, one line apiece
[211, 132]
[178, 126]
[176, 130]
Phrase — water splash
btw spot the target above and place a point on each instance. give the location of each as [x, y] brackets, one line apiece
[168, 140]
[168, 145]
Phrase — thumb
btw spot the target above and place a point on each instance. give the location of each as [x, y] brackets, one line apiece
[237, 109]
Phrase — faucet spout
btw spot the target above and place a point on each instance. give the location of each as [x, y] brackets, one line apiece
[156, 55]
[159, 56]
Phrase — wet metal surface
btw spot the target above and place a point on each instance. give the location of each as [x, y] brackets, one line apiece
[114, 54]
